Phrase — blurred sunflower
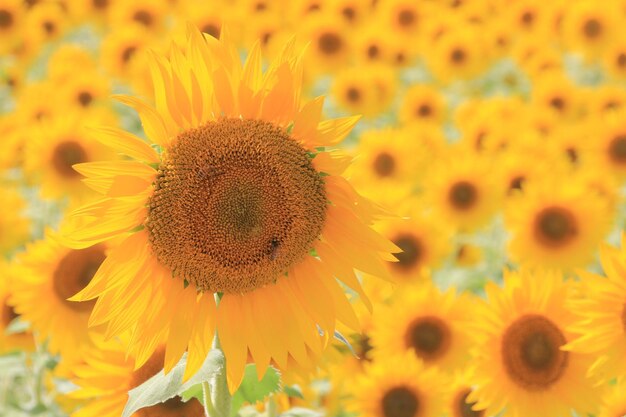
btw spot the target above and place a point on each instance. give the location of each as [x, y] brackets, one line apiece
[232, 197]
[366, 90]
[398, 386]
[601, 327]
[424, 239]
[11, 17]
[519, 364]
[58, 145]
[463, 189]
[426, 322]
[557, 226]
[422, 103]
[107, 374]
[150, 14]
[49, 275]
[589, 28]
[66, 58]
[459, 390]
[22, 340]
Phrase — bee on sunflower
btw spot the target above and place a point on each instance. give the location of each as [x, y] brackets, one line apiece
[235, 193]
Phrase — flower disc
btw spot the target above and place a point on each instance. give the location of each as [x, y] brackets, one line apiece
[531, 352]
[236, 203]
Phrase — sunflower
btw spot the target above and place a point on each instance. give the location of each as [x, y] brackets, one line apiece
[399, 386]
[236, 194]
[122, 50]
[106, 375]
[56, 146]
[601, 327]
[386, 164]
[49, 275]
[10, 341]
[47, 21]
[424, 239]
[519, 364]
[14, 223]
[367, 90]
[609, 145]
[11, 16]
[555, 94]
[463, 189]
[85, 90]
[329, 44]
[589, 28]
[426, 322]
[150, 14]
[557, 226]
[422, 103]
[460, 389]
[615, 60]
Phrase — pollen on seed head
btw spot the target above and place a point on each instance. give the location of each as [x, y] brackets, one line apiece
[236, 204]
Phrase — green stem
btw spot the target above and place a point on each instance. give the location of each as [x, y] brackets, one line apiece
[216, 396]
[272, 408]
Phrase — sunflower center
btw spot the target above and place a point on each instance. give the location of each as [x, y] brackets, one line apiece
[100, 4]
[557, 103]
[330, 43]
[85, 98]
[364, 347]
[592, 28]
[236, 204]
[353, 95]
[464, 409]
[373, 51]
[517, 183]
[128, 53]
[555, 226]
[406, 18]
[74, 272]
[411, 254]
[617, 149]
[349, 13]
[463, 195]
[531, 352]
[144, 17]
[212, 29]
[424, 110]
[458, 56]
[429, 336]
[621, 60]
[65, 155]
[400, 402]
[149, 369]
[174, 407]
[6, 19]
[49, 27]
[528, 17]
[384, 165]
[8, 313]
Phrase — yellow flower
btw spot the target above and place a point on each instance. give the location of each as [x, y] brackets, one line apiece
[600, 307]
[422, 103]
[556, 226]
[424, 238]
[329, 44]
[11, 18]
[49, 274]
[56, 146]
[64, 61]
[10, 341]
[399, 386]
[232, 197]
[107, 374]
[463, 189]
[367, 90]
[459, 390]
[519, 364]
[431, 324]
[589, 28]
[150, 14]
[555, 94]
[47, 21]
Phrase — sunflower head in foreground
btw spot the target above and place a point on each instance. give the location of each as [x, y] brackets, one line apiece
[519, 361]
[236, 193]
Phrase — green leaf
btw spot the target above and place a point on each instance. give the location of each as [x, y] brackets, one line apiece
[17, 326]
[252, 390]
[161, 387]
[193, 392]
[293, 391]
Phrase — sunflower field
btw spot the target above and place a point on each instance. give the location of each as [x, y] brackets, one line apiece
[309, 208]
